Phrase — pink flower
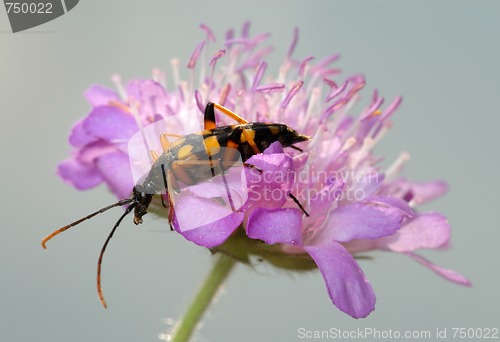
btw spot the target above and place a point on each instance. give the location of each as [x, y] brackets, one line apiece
[353, 205]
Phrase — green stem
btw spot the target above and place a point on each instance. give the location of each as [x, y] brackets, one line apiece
[221, 269]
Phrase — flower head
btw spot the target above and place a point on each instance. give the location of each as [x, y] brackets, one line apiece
[353, 204]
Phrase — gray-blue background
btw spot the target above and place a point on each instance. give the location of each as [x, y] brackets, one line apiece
[442, 56]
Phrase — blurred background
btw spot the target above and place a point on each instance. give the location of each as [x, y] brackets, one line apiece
[442, 56]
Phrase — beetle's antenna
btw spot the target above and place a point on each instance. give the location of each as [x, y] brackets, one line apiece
[60, 230]
[103, 249]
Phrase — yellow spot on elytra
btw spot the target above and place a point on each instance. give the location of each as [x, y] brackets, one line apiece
[250, 132]
[376, 113]
[184, 151]
[212, 145]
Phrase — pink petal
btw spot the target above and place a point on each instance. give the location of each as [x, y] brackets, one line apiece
[205, 222]
[403, 206]
[152, 97]
[230, 191]
[270, 188]
[347, 286]
[358, 246]
[321, 202]
[427, 191]
[100, 96]
[115, 168]
[276, 226]
[82, 176]
[443, 272]
[110, 124]
[427, 230]
[361, 221]
[91, 152]
[417, 192]
[274, 148]
[79, 136]
[366, 185]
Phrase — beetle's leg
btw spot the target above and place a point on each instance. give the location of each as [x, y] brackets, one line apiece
[154, 155]
[191, 163]
[226, 186]
[296, 148]
[169, 182]
[173, 135]
[228, 112]
[253, 167]
[228, 157]
[165, 144]
[180, 172]
[247, 134]
[171, 210]
[260, 170]
[217, 165]
[209, 120]
[163, 201]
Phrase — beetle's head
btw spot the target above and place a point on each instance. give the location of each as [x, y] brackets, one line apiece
[289, 136]
[142, 200]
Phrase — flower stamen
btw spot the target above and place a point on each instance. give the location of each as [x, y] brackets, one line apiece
[117, 81]
[396, 167]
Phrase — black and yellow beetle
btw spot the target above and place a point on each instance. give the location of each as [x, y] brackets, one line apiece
[187, 160]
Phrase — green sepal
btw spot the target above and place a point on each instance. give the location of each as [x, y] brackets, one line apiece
[240, 247]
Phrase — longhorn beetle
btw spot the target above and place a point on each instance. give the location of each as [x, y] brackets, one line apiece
[181, 161]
